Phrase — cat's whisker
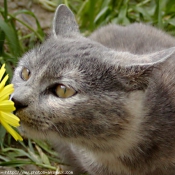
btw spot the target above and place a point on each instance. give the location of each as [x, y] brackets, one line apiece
[55, 127]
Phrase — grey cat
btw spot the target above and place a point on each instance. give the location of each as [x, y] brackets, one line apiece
[106, 103]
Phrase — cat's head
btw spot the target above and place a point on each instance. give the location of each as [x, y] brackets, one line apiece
[77, 89]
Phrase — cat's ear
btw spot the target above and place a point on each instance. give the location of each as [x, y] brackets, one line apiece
[137, 74]
[64, 22]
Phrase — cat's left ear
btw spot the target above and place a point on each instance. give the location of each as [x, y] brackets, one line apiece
[64, 22]
[136, 75]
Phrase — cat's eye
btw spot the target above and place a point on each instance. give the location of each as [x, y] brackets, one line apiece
[64, 92]
[25, 74]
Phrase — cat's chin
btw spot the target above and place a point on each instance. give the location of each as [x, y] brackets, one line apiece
[27, 131]
[30, 132]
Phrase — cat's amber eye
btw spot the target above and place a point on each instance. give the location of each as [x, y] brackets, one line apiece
[25, 74]
[64, 92]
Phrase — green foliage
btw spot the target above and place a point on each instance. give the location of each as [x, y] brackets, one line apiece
[36, 153]
[90, 14]
[93, 14]
[11, 39]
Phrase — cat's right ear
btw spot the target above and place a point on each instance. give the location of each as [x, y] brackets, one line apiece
[64, 22]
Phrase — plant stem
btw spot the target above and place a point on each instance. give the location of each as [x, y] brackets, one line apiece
[26, 25]
[5, 10]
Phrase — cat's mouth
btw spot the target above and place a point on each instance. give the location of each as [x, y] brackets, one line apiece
[31, 122]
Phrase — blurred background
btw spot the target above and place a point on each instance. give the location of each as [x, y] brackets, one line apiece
[26, 23]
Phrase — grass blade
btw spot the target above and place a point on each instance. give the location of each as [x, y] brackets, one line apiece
[11, 38]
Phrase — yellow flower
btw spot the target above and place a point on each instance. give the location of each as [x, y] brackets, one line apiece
[7, 119]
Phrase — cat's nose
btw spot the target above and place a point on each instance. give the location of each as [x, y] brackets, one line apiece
[18, 103]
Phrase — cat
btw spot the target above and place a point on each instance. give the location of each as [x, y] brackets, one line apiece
[106, 103]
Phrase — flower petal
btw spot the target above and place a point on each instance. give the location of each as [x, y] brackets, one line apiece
[15, 135]
[7, 106]
[2, 84]
[2, 71]
[9, 118]
[6, 91]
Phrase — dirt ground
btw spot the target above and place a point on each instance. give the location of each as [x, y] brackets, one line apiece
[44, 16]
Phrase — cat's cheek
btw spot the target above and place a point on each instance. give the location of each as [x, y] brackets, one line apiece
[21, 129]
[24, 131]
[29, 132]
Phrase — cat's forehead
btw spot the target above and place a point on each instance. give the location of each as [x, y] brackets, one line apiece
[75, 63]
[71, 60]
[61, 54]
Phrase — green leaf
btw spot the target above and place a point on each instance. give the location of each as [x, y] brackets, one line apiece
[34, 157]
[28, 12]
[15, 163]
[2, 134]
[158, 14]
[2, 39]
[100, 14]
[43, 156]
[16, 152]
[11, 37]
[4, 158]
[122, 17]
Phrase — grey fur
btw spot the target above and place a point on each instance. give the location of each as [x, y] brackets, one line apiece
[64, 22]
[122, 119]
